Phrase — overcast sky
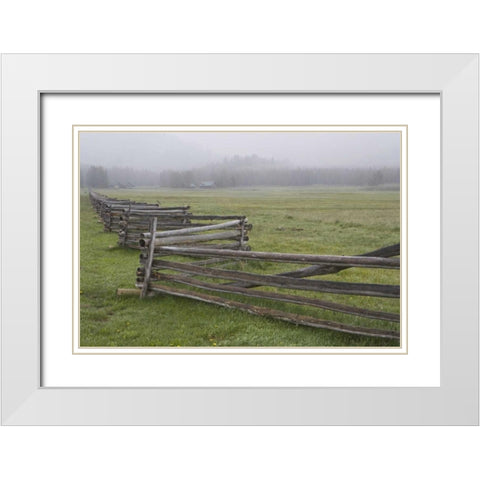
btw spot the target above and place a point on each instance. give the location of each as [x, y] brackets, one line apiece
[158, 150]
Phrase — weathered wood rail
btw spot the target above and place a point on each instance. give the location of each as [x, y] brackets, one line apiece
[207, 233]
[156, 274]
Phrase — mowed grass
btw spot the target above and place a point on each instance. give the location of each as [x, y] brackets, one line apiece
[297, 220]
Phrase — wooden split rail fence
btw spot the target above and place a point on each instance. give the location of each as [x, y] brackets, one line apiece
[196, 242]
[109, 209]
[134, 222]
[129, 219]
[156, 274]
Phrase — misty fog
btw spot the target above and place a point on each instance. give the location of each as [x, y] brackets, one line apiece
[183, 159]
[184, 150]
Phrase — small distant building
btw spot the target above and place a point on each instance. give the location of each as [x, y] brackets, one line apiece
[192, 185]
[124, 185]
[208, 184]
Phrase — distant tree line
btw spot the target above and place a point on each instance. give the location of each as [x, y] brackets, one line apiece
[94, 177]
[238, 173]
[282, 177]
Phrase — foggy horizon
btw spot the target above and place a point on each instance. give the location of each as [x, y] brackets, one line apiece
[159, 151]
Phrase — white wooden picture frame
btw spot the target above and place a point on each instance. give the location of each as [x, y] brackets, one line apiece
[26, 77]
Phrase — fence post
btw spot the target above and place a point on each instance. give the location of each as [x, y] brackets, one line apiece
[126, 226]
[242, 236]
[148, 265]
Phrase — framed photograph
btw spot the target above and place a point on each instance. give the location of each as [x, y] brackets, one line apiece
[240, 239]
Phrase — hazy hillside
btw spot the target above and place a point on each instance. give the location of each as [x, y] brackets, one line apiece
[150, 151]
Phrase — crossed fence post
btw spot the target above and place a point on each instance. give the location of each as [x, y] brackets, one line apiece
[148, 265]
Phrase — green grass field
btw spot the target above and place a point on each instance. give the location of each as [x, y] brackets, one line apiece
[298, 220]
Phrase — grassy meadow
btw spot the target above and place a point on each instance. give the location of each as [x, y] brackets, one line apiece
[315, 220]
